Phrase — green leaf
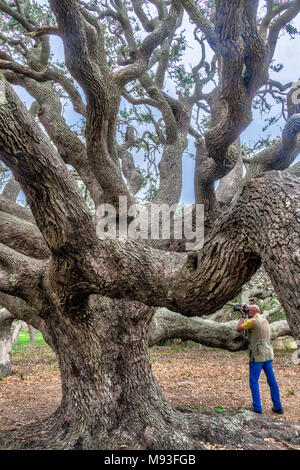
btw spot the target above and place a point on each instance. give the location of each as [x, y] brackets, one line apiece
[220, 409]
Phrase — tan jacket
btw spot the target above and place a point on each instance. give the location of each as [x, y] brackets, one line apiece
[260, 343]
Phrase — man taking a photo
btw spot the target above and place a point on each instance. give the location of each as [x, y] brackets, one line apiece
[261, 355]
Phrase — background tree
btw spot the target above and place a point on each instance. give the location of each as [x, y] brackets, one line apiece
[93, 298]
[6, 320]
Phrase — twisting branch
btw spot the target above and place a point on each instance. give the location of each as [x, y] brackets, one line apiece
[27, 153]
[139, 101]
[10, 207]
[236, 94]
[17, 16]
[243, 60]
[203, 23]
[20, 275]
[156, 37]
[24, 311]
[281, 155]
[210, 73]
[44, 30]
[70, 147]
[22, 236]
[271, 14]
[148, 25]
[88, 66]
[45, 76]
[276, 26]
[131, 172]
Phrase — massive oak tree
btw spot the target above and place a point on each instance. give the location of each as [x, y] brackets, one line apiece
[94, 298]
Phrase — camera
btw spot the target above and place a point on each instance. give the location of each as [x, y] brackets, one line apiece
[244, 308]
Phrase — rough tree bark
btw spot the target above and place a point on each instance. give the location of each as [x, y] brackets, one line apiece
[94, 298]
[77, 327]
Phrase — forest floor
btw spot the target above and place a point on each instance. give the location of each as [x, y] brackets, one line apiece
[191, 377]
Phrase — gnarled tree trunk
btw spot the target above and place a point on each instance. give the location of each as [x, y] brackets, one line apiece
[110, 397]
[111, 400]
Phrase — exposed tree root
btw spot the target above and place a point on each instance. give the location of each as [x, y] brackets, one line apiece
[186, 431]
[246, 430]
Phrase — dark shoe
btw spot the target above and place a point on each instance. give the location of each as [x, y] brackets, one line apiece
[279, 411]
[254, 410]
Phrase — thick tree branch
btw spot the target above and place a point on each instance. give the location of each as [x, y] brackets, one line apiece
[20, 275]
[203, 23]
[43, 30]
[5, 315]
[6, 320]
[177, 116]
[230, 184]
[22, 236]
[89, 68]
[243, 62]
[11, 190]
[281, 155]
[23, 311]
[167, 325]
[256, 53]
[70, 147]
[80, 62]
[232, 253]
[10, 207]
[233, 100]
[280, 22]
[243, 66]
[132, 174]
[54, 200]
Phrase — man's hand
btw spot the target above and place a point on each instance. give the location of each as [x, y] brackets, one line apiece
[240, 323]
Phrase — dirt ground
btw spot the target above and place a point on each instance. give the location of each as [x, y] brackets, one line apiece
[195, 378]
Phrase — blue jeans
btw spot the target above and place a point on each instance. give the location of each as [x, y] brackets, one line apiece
[255, 370]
